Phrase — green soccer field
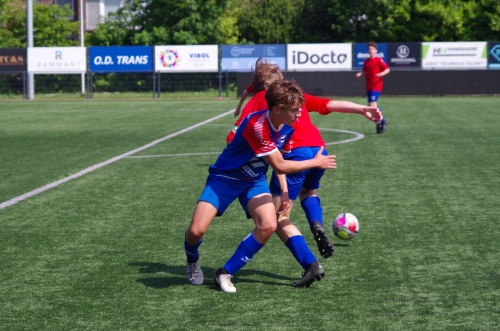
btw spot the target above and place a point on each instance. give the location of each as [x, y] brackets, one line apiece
[95, 197]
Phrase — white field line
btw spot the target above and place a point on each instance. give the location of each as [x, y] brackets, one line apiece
[357, 136]
[105, 163]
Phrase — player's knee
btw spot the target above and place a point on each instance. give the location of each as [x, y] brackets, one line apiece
[306, 194]
[194, 235]
[266, 229]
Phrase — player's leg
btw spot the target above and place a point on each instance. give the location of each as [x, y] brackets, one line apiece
[203, 215]
[217, 195]
[296, 243]
[258, 204]
[373, 97]
[311, 204]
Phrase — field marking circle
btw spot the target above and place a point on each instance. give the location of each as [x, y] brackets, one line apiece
[357, 136]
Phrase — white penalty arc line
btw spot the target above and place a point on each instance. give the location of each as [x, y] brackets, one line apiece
[357, 136]
[105, 163]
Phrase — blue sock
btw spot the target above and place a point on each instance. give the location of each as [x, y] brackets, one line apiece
[312, 208]
[298, 246]
[248, 247]
[192, 253]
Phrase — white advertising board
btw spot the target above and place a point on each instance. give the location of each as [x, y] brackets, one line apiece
[454, 55]
[187, 58]
[319, 57]
[57, 60]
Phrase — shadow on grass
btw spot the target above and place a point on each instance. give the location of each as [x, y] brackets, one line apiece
[178, 277]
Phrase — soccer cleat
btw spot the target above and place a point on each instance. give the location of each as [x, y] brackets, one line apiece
[381, 127]
[314, 272]
[194, 273]
[223, 281]
[325, 244]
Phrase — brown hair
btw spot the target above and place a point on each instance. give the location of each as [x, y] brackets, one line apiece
[372, 44]
[284, 94]
[264, 74]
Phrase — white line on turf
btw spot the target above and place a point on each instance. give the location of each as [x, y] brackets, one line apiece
[357, 136]
[105, 163]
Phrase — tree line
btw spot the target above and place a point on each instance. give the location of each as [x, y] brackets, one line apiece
[199, 22]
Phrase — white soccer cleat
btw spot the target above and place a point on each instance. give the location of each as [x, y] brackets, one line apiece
[223, 281]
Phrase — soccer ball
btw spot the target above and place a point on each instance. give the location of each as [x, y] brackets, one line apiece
[345, 226]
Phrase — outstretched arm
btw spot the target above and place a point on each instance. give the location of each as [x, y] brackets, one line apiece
[370, 112]
[244, 95]
[282, 166]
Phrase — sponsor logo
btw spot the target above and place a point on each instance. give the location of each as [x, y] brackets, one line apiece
[454, 51]
[11, 60]
[495, 52]
[199, 55]
[169, 58]
[235, 51]
[199, 59]
[304, 57]
[403, 53]
[58, 62]
[122, 60]
[362, 55]
[281, 140]
[246, 259]
[249, 171]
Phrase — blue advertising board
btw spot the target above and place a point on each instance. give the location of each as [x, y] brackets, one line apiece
[121, 58]
[361, 54]
[243, 57]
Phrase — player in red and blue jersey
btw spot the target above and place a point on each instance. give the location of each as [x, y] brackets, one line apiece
[305, 143]
[374, 68]
[240, 173]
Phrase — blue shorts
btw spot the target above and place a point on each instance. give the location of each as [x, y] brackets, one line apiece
[221, 192]
[373, 96]
[308, 179]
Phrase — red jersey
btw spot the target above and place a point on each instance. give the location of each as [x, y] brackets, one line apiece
[306, 134]
[371, 67]
[250, 89]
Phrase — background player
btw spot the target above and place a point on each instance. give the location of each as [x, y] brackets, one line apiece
[374, 68]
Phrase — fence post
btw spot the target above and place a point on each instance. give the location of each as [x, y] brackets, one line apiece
[227, 84]
[220, 84]
[159, 84]
[89, 85]
[25, 82]
[154, 85]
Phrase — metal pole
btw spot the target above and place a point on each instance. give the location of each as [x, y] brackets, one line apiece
[82, 42]
[29, 37]
[227, 84]
[220, 85]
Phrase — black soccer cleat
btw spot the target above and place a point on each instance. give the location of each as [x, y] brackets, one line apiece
[381, 127]
[315, 272]
[325, 244]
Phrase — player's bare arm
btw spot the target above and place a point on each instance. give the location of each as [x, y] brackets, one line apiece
[284, 198]
[282, 166]
[370, 112]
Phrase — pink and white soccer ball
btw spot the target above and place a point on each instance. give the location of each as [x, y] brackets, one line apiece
[345, 226]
